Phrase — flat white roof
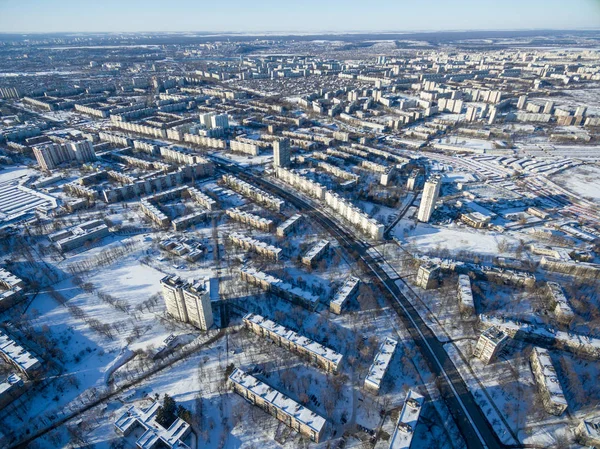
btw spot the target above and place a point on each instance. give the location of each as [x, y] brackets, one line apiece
[551, 382]
[300, 340]
[381, 362]
[17, 354]
[407, 421]
[278, 399]
[345, 290]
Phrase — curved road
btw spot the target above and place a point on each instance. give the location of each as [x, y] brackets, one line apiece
[469, 418]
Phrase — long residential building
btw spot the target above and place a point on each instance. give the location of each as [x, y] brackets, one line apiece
[18, 356]
[280, 288]
[251, 244]
[315, 252]
[465, 294]
[380, 365]
[11, 290]
[277, 404]
[51, 155]
[324, 357]
[407, 421]
[254, 193]
[77, 236]
[264, 224]
[288, 225]
[547, 381]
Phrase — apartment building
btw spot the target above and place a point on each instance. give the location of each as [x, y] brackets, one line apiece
[18, 356]
[346, 291]
[407, 421]
[547, 381]
[588, 432]
[251, 244]
[281, 153]
[562, 309]
[254, 193]
[490, 344]
[286, 410]
[51, 155]
[11, 289]
[255, 221]
[315, 253]
[316, 353]
[153, 435]
[280, 288]
[188, 302]
[380, 365]
[428, 276]
[431, 192]
[465, 295]
[288, 225]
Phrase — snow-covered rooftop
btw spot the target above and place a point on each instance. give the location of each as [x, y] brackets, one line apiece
[381, 362]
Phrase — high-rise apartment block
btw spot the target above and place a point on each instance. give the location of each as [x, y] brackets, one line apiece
[281, 153]
[51, 155]
[431, 192]
[210, 120]
[490, 343]
[188, 301]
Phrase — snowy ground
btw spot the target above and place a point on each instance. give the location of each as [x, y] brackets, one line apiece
[582, 180]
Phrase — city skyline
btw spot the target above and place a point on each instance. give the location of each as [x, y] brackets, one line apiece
[311, 16]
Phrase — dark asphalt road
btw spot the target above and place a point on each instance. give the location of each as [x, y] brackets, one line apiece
[469, 418]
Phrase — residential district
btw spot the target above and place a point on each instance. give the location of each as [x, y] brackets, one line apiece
[355, 241]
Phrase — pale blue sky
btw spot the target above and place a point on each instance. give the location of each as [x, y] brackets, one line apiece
[300, 15]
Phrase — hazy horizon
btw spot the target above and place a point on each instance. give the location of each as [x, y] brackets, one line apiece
[307, 17]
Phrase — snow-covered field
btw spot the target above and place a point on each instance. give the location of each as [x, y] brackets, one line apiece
[583, 180]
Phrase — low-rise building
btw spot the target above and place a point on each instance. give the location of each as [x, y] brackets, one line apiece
[562, 309]
[11, 289]
[380, 365]
[547, 381]
[465, 295]
[428, 276]
[490, 343]
[277, 404]
[407, 421]
[77, 236]
[288, 225]
[324, 357]
[153, 434]
[264, 224]
[251, 244]
[347, 290]
[18, 356]
[314, 253]
[280, 288]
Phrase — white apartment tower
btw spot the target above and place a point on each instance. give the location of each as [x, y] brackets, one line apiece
[188, 301]
[431, 192]
[219, 121]
[51, 155]
[281, 153]
[210, 120]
